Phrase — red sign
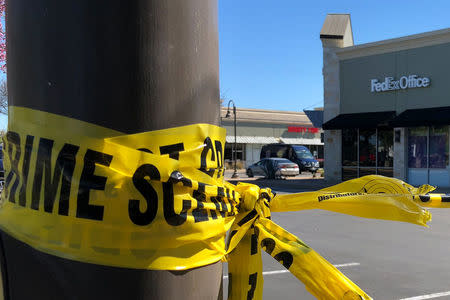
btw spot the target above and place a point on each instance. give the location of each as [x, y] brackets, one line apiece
[303, 129]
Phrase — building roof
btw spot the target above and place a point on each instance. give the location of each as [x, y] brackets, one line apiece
[301, 141]
[430, 38]
[252, 139]
[335, 26]
[272, 140]
[267, 116]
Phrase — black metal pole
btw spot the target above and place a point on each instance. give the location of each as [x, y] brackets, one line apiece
[235, 175]
[131, 66]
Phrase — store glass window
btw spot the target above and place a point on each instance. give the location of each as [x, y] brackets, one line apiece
[367, 152]
[367, 147]
[367, 171]
[385, 151]
[349, 173]
[240, 151]
[417, 147]
[388, 172]
[349, 147]
[228, 151]
[438, 147]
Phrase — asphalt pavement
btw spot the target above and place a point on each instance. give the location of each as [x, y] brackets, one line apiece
[388, 260]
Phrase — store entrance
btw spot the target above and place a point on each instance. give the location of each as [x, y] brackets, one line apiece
[428, 156]
[367, 152]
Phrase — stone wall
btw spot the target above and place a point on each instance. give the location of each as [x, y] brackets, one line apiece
[400, 154]
[331, 95]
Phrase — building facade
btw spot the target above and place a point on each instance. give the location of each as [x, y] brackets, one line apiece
[386, 105]
[258, 127]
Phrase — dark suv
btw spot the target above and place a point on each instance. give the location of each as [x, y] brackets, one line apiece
[298, 154]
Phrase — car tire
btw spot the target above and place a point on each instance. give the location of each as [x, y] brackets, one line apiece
[249, 173]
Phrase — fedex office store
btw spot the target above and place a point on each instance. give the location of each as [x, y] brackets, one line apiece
[388, 112]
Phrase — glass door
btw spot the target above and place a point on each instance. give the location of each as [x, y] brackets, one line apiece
[385, 152]
[349, 154]
[418, 155]
[366, 152]
[428, 155]
[438, 173]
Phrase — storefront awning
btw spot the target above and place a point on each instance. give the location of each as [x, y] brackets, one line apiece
[252, 139]
[315, 116]
[301, 141]
[360, 120]
[422, 117]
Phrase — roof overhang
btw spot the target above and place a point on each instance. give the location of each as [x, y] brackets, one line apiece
[360, 120]
[301, 141]
[252, 139]
[315, 116]
[422, 117]
[408, 118]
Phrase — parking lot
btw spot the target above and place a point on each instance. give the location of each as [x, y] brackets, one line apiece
[388, 260]
[243, 176]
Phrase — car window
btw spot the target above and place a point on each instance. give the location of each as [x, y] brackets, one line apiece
[290, 153]
[281, 152]
[265, 152]
[268, 163]
[303, 152]
[274, 151]
[284, 161]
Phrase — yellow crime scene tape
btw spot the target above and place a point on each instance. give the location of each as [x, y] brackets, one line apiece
[158, 200]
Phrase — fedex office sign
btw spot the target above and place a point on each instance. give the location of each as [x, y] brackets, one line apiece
[405, 82]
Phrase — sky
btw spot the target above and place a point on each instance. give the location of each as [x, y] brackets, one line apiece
[270, 51]
[271, 55]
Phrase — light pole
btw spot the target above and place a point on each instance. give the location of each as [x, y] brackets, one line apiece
[235, 175]
[142, 91]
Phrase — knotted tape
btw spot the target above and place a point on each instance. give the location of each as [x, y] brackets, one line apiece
[158, 200]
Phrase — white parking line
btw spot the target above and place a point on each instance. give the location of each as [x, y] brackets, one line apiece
[275, 272]
[429, 296]
[347, 265]
[352, 264]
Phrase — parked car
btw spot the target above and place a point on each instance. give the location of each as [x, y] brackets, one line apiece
[273, 168]
[295, 153]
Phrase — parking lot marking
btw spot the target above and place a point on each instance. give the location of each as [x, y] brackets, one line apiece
[275, 272]
[352, 264]
[429, 296]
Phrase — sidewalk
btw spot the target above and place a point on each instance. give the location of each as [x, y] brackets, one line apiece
[443, 190]
[302, 182]
[243, 176]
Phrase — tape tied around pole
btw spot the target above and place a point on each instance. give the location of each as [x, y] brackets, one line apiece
[158, 200]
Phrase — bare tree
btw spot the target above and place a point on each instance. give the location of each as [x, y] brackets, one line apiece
[3, 98]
